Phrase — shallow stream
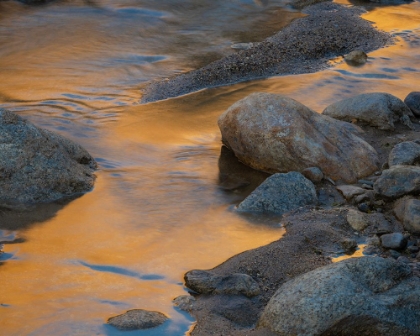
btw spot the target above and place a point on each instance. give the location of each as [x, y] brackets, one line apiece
[164, 196]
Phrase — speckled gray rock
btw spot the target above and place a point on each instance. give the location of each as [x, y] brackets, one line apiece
[313, 173]
[137, 319]
[350, 191]
[377, 109]
[356, 57]
[38, 166]
[408, 212]
[280, 193]
[413, 102]
[359, 296]
[405, 153]
[274, 133]
[395, 241]
[184, 302]
[357, 220]
[398, 181]
[205, 282]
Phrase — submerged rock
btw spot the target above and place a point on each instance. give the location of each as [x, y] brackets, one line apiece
[205, 282]
[280, 193]
[137, 319]
[39, 166]
[398, 181]
[359, 296]
[356, 57]
[405, 153]
[377, 109]
[413, 102]
[274, 133]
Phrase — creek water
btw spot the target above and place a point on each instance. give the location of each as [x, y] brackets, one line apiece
[164, 196]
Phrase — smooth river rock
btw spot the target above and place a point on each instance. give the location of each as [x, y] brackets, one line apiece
[398, 181]
[405, 153]
[274, 133]
[413, 102]
[137, 319]
[358, 296]
[408, 212]
[39, 166]
[356, 57]
[377, 109]
[280, 193]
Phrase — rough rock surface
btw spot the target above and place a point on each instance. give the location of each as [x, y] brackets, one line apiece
[360, 294]
[357, 220]
[280, 193]
[408, 211]
[137, 319]
[306, 45]
[313, 173]
[38, 166]
[350, 191]
[205, 282]
[395, 241]
[274, 133]
[356, 57]
[377, 109]
[405, 153]
[398, 181]
[413, 102]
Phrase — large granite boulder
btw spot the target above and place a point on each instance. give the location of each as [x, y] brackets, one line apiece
[274, 133]
[359, 296]
[39, 166]
[280, 193]
[398, 181]
[405, 153]
[377, 109]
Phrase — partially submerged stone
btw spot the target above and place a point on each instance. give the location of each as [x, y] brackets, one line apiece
[274, 133]
[39, 166]
[413, 102]
[280, 193]
[356, 57]
[405, 153]
[398, 181]
[359, 296]
[137, 319]
[205, 282]
[376, 109]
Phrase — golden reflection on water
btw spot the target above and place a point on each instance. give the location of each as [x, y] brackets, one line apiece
[158, 208]
[357, 254]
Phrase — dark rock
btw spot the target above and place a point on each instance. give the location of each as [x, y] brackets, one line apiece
[377, 109]
[349, 245]
[371, 251]
[313, 173]
[405, 153]
[38, 166]
[137, 319]
[398, 181]
[362, 198]
[413, 102]
[237, 309]
[205, 282]
[184, 302]
[367, 186]
[329, 196]
[363, 207]
[394, 241]
[280, 193]
[347, 297]
[413, 249]
[394, 254]
[365, 182]
[356, 57]
[384, 227]
[408, 211]
[274, 133]
[403, 260]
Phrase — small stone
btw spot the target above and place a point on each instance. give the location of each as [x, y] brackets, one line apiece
[367, 186]
[374, 241]
[365, 182]
[398, 181]
[405, 153]
[384, 227]
[371, 250]
[357, 220]
[403, 260]
[413, 249]
[394, 241]
[242, 46]
[350, 191]
[314, 174]
[361, 198]
[356, 57]
[184, 302]
[137, 319]
[363, 207]
[379, 203]
[413, 102]
[348, 245]
[394, 254]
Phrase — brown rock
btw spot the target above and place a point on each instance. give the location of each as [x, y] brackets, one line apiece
[274, 133]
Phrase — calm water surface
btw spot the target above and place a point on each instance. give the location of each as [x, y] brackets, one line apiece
[163, 199]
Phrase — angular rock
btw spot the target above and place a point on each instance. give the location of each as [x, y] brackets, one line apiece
[395, 241]
[377, 109]
[413, 102]
[357, 220]
[350, 191]
[184, 302]
[137, 319]
[356, 57]
[204, 282]
[398, 181]
[408, 212]
[280, 193]
[405, 153]
[39, 166]
[314, 174]
[274, 133]
[358, 296]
